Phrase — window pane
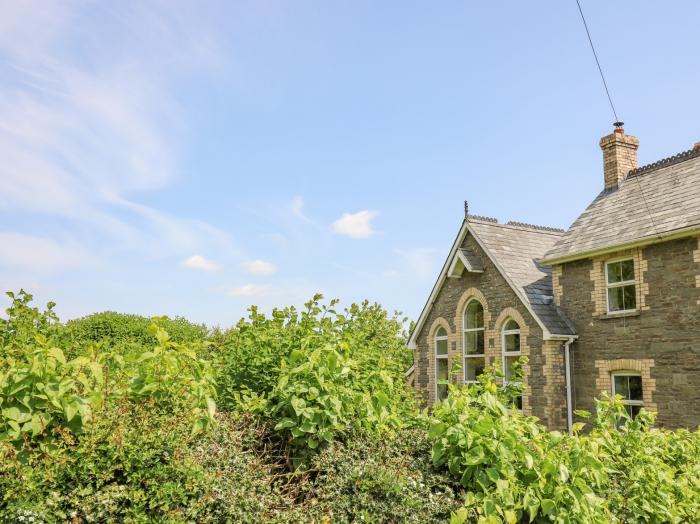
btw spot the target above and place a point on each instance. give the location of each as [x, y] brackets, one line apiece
[474, 316]
[441, 347]
[627, 270]
[508, 371]
[441, 332]
[473, 367]
[614, 272]
[629, 300]
[511, 325]
[474, 342]
[512, 342]
[622, 386]
[615, 299]
[635, 388]
[441, 374]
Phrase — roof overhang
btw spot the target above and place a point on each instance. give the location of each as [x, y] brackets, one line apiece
[639, 242]
[464, 260]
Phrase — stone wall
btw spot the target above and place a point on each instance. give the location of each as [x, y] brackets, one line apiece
[661, 340]
[544, 395]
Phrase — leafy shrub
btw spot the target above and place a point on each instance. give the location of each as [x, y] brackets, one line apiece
[110, 420]
[41, 392]
[653, 474]
[133, 464]
[119, 328]
[381, 480]
[513, 469]
[24, 322]
[318, 374]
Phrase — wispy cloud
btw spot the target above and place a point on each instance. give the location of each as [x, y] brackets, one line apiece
[82, 135]
[41, 254]
[259, 267]
[201, 263]
[356, 225]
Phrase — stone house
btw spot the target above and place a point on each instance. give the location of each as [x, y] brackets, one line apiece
[612, 304]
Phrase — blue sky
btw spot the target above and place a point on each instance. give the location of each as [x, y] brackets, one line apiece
[194, 158]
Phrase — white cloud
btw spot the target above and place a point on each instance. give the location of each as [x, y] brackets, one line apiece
[355, 225]
[40, 254]
[249, 290]
[199, 262]
[259, 267]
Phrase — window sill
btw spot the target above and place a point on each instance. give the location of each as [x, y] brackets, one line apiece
[621, 314]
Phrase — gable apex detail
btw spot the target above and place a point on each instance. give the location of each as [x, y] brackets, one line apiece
[464, 259]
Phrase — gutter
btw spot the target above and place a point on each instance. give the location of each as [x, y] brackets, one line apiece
[567, 365]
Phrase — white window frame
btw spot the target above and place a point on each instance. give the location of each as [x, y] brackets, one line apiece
[624, 283]
[466, 330]
[438, 358]
[505, 353]
[625, 401]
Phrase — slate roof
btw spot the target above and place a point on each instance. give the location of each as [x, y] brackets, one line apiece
[516, 249]
[654, 200]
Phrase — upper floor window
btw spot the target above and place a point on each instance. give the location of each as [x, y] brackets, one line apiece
[441, 363]
[629, 387]
[620, 286]
[473, 327]
[511, 353]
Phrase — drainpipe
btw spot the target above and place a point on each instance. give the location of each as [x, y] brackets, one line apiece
[567, 365]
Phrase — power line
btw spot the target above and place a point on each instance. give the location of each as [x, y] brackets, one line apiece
[602, 76]
[618, 123]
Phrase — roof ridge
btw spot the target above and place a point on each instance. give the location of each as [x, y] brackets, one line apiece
[668, 161]
[480, 218]
[535, 227]
[514, 224]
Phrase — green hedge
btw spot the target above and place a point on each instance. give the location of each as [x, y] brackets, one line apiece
[113, 418]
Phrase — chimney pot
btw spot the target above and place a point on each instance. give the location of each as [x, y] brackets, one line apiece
[619, 156]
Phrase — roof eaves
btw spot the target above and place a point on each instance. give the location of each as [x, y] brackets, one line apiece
[638, 242]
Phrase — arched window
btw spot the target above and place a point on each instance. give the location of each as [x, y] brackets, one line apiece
[441, 363]
[473, 327]
[511, 352]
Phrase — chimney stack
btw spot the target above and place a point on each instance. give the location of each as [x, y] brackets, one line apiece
[619, 155]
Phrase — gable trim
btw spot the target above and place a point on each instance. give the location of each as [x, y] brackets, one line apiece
[455, 272]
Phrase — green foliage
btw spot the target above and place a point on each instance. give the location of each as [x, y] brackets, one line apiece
[120, 328]
[515, 471]
[654, 475]
[318, 374]
[24, 321]
[378, 480]
[110, 419]
[42, 392]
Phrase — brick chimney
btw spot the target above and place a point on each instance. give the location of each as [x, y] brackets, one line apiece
[619, 155]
